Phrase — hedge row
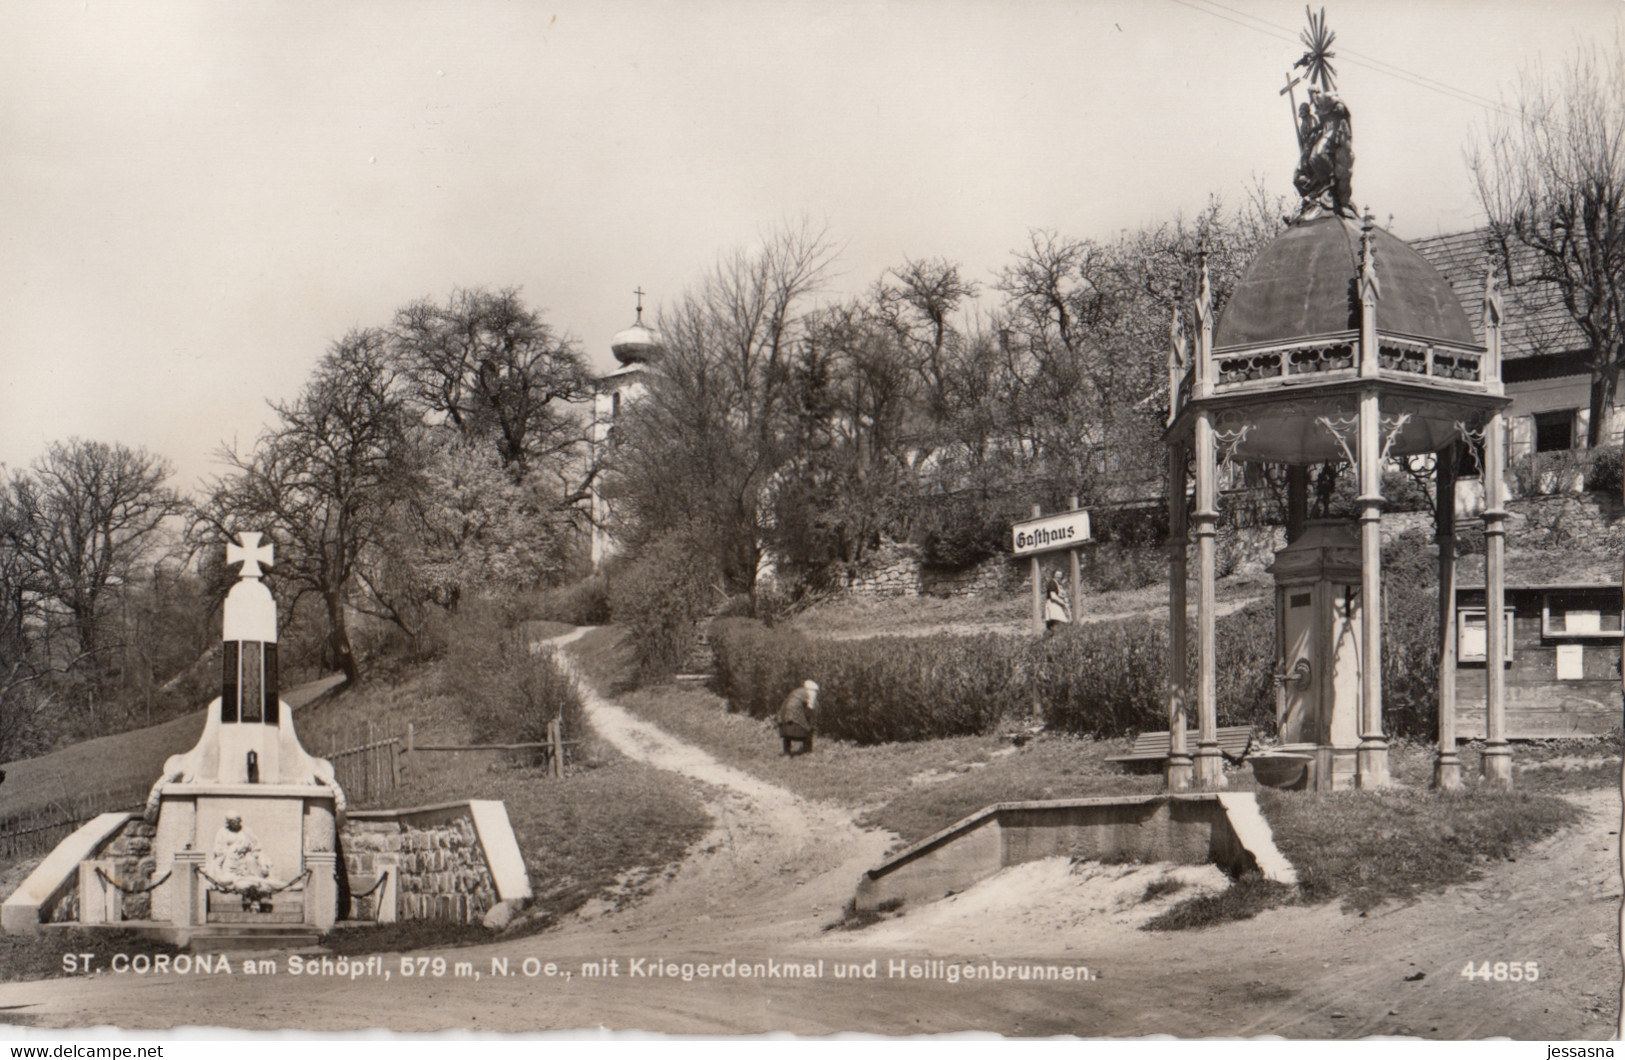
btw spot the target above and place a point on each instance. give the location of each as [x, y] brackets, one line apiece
[872, 691]
[1099, 678]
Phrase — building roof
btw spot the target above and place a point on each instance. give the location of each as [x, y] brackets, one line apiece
[1536, 324]
[1305, 282]
[612, 380]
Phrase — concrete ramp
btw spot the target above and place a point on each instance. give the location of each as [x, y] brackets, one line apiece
[1226, 829]
[57, 874]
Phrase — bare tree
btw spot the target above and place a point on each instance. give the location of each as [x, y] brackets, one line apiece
[704, 447]
[493, 369]
[92, 512]
[918, 300]
[20, 591]
[323, 480]
[846, 479]
[1552, 180]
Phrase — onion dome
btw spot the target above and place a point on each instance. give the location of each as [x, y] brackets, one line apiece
[637, 344]
[1306, 282]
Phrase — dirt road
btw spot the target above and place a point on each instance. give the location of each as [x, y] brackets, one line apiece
[757, 894]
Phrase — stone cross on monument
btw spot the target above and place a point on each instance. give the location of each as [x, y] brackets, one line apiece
[250, 553]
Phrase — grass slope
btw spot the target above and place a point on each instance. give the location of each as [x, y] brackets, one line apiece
[128, 758]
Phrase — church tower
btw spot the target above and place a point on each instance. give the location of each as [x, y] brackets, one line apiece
[637, 348]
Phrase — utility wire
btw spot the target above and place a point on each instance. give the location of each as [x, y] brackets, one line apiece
[1382, 66]
[1271, 29]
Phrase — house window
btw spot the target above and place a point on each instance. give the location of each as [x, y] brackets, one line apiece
[1472, 635]
[1554, 431]
[1580, 616]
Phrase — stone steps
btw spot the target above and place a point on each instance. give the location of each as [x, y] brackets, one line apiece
[231, 938]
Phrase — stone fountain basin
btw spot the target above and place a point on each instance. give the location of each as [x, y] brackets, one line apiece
[1288, 770]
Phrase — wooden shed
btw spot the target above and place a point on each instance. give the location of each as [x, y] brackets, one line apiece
[1562, 660]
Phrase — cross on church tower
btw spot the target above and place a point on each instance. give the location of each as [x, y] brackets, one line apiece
[250, 553]
[639, 293]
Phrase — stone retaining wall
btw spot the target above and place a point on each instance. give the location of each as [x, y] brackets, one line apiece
[437, 854]
[989, 576]
[130, 851]
[897, 570]
[891, 570]
[1566, 520]
[133, 865]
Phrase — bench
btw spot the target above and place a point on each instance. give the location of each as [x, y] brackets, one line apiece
[1152, 747]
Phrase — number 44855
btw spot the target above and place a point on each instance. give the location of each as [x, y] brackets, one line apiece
[1503, 971]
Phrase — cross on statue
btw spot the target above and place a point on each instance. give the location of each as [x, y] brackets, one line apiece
[250, 553]
[1292, 101]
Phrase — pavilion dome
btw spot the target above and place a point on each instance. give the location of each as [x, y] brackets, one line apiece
[1306, 282]
[637, 344]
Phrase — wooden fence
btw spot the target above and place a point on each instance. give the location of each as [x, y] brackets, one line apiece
[366, 764]
[34, 831]
[553, 750]
[369, 763]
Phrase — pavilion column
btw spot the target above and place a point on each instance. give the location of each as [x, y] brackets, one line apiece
[1371, 760]
[1447, 766]
[1208, 765]
[1179, 771]
[1497, 753]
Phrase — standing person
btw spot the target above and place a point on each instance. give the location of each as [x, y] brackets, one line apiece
[797, 715]
[1057, 612]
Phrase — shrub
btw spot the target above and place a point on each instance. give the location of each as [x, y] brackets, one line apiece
[1404, 492]
[1111, 566]
[900, 688]
[755, 664]
[1137, 526]
[661, 597]
[962, 529]
[1410, 635]
[1100, 678]
[1108, 678]
[1559, 471]
[1246, 653]
[580, 603]
[1593, 470]
[872, 691]
[1606, 475]
[508, 694]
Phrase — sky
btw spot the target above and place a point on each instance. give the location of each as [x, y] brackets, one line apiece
[201, 197]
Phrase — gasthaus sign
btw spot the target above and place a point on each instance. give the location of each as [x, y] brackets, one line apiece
[1067, 530]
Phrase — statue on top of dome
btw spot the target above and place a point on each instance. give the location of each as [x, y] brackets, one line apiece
[1326, 156]
[1323, 127]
